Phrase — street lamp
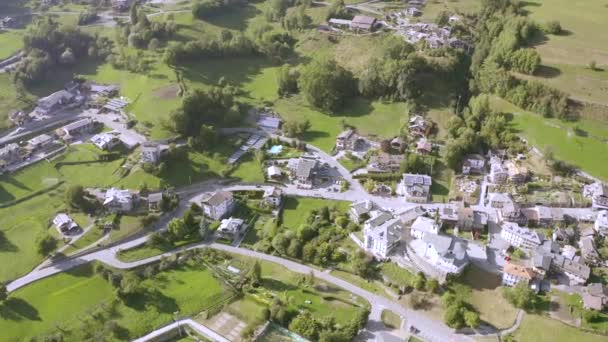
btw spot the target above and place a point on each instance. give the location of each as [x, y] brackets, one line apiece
[177, 321]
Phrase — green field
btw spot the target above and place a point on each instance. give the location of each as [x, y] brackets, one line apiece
[296, 209]
[67, 301]
[585, 147]
[374, 118]
[10, 43]
[542, 329]
[566, 56]
[20, 225]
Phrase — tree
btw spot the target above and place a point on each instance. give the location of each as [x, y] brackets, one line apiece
[130, 283]
[45, 244]
[177, 228]
[553, 27]
[593, 65]
[255, 277]
[525, 60]
[326, 85]
[453, 316]
[385, 145]
[297, 19]
[74, 196]
[419, 281]
[369, 185]
[305, 325]
[3, 293]
[296, 128]
[338, 10]
[154, 44]
[287, 78]
[471, 319]
[414, 163]
[521, 296]
[432, 285]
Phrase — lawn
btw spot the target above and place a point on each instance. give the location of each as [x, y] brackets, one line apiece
[67, 300]
[11, 100]
[396, 275]
[433, 8]
[86, 240]
[391, 319]
[296, 209]
[20, 225]
[146, 251]
[584, 147]
[542, 329]
[373, 118]
[10, 43]
[486, 297]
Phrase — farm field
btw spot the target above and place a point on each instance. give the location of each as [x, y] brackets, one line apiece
[63, 300]
[584, 146]
[433, 8]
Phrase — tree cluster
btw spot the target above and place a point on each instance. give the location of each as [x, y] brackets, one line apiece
[48, 44]
[203, 9]
[521, 296]
[287, 79]
[478, 129]
[503, 34]
[141, 33]
[326, 85]
[86, 17]
[326, 329]
[295, 129]
[226, 44]
[338, 10]
[458, 313]
[202, 110]
[396, 75]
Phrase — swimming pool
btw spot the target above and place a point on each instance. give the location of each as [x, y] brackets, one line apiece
[276, 149]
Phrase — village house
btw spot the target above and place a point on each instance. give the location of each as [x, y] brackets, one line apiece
[363, 23]
[340, 23]
[10, 154]
[514, 274]
[423, 226]
[348, 140]
[105, 141]
[576, 270]
[542, 216]
[39, 141]
[506, 208]
[424, 147]
[303, 171]
[121, 5]
[274, 172]
[520, 237]
[217, 204]
[413, 12]
[563, 236]
[498, 172]
[601, 223]
[588, 250]
[69, 131]
[568, 252]
[517, 173]
[445, 254]
[471, 219]
[595, 297]
[410, 214]
[598, 192]
[269, 122]
[416, 188]
[152, 152]
[52, 103]
[118, 200]
[273, 196]
[64, 224]
[541, 263]
[449, 214]
[19, 117]
[361, 211]
[155, 201]
[398, 144]
[384, 163]
[473, 164]
[381, 234]
[419, 127]
[231, 228]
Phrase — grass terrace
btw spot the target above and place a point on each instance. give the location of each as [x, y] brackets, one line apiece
[543, 329]
[10, 43]
[296, 209]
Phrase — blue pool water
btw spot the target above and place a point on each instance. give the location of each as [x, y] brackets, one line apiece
[276, 149]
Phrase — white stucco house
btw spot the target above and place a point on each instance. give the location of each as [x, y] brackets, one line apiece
[424, 226]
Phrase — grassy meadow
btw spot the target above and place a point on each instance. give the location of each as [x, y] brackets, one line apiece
[66, 302]
[543, 329]
[581, 143]
[296, 209]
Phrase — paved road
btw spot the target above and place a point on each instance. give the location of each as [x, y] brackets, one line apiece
[201, 329]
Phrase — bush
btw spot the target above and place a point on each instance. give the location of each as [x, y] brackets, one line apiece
[553, 27]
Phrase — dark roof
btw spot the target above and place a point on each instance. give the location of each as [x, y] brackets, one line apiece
[217, 198]
[416, 179]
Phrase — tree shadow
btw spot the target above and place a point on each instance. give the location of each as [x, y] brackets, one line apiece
[6, 245]
[17, 309]
[85, 270]
[151, 297]
[236, 18]
[58, 76]
[311, 135]
[547, 71]
[277, 285]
